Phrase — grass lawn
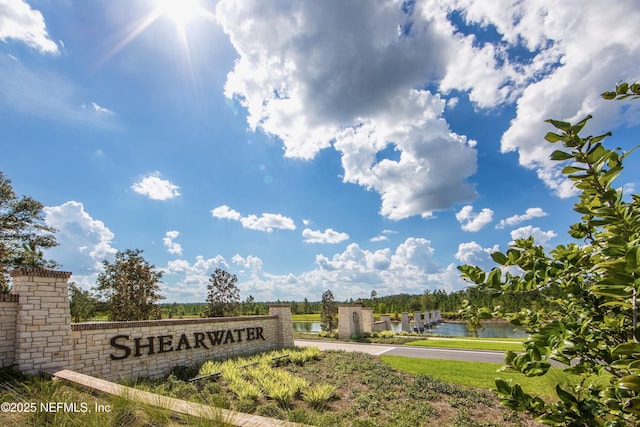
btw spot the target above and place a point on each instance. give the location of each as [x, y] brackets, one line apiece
[468, 344]
[480, 374]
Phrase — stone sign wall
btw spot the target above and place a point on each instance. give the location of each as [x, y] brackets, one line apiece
[36, 334]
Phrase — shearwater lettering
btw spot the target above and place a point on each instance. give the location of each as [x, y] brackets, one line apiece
[125, 346]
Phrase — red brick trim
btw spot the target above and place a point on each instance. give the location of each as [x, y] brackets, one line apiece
[165, 322]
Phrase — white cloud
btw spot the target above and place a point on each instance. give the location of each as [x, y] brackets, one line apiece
[225, 212]
[530, 213]
[384, 236]
[474, 254]
[579, 49]
[265, 222]
[629, 188]
[251, 262]
[352, 273]
[315, 74]
[156, 188]
[168, 241]
[99, 109]
[83, 241]
[474, 221]
[540, 237]
[303, 84]
[19, 22]
[327, 236]
[191, 279]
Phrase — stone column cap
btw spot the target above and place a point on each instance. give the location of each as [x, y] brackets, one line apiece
[39, 272]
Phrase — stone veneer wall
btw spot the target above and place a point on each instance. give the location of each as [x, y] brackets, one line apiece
[367, 320]
[43, 320]
[8, 313]
[94, 353]
[36, 334]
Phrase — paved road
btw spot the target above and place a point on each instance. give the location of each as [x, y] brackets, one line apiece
[409, 351]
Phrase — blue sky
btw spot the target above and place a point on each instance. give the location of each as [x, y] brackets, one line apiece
[301, 145]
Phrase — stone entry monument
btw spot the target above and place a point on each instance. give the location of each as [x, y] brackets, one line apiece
[36, 334]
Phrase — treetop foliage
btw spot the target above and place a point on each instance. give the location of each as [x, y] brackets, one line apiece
[22, 232]
[223, 299]
[329, 314]
[130, 286]
[592, 327]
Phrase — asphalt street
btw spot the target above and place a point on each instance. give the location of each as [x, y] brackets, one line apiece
[409, 351]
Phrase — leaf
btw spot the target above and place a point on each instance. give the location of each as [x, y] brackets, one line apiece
[578, 126]
[493, 279]
[609, 95]
[564, 126]
[632, 258]
[502, 386]
[622, 88]
[572, 169]
[499, 258]
[632, 405]
[626, 349]
[565, 396]
[560, 155]
[630, 382]
[615, 291]
[552, 419]
[554, 137]
[596, 154]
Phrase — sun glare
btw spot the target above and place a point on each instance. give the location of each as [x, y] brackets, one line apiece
[179, 11]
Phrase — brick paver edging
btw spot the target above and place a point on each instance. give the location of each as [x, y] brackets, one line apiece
[176, 405]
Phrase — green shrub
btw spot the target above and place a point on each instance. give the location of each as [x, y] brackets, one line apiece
[318, 396]
[210, 367]
[245, 390]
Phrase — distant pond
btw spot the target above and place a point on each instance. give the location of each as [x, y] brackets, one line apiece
[491, 330]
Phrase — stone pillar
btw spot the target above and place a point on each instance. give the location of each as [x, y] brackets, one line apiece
[417, 317]
[427, 319]
[285, 324]
[386, 318]
[367, 320]
[43, 323]
[406, 327]
[350, 321]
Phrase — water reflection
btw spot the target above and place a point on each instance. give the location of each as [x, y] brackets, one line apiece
[491, 330]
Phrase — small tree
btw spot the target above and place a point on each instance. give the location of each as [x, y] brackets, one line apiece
[22, 229]
[224, 296]
[329, 315]
[474, 316]
[592, 328]
[130, 286]
[82, 303]
[249, 305]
